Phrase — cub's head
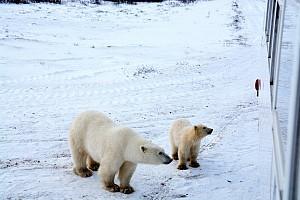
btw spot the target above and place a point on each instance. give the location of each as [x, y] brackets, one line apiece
[153, 154]
[201, 130]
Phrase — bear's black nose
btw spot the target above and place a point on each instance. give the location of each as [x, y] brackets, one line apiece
[168, 161]
[210, 131]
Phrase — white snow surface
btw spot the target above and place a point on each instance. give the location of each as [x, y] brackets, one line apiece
[143, 65]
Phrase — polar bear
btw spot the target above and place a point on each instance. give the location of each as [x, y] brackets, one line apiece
[185, 141]
[96, 140]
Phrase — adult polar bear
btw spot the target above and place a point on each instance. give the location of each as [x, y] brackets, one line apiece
[95, 139]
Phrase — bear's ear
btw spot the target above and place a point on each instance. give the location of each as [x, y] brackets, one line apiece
[143, 148]
[195, 128]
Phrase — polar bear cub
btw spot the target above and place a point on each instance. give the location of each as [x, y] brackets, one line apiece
[96, 140]
[185, 141]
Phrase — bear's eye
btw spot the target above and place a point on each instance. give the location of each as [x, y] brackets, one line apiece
[204, 127]
[160, 153]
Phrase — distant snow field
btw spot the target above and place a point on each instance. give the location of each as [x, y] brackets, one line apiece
[143, 65]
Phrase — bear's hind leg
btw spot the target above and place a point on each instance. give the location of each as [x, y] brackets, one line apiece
[193, 156]
[91, 164]
[125, 173]
[79, 159]
[175, 153]
[173, 147]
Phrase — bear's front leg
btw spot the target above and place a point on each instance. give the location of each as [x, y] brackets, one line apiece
[182, 159]
[125, 173]
[108, 172]
[193, 157]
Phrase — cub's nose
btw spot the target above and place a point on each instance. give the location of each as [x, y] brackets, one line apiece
[210, 131]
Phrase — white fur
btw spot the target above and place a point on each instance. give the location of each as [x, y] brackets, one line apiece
[177, 130]
[185, 141]
[116, 148]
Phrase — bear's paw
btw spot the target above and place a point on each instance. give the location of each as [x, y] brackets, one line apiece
[113, 188]
[194, 164]
[175, 156]
[127, 190]
[83, 172]
[94, 166]
[182, 167]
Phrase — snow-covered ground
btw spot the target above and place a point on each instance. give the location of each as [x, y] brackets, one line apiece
[144, 65]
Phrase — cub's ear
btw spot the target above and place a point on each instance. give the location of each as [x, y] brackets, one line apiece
[143, 148]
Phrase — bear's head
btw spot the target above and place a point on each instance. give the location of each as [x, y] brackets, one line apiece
[153, 154]
[201, 130]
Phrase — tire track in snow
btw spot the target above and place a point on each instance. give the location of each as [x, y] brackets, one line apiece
[230, 119]
[66, 90]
